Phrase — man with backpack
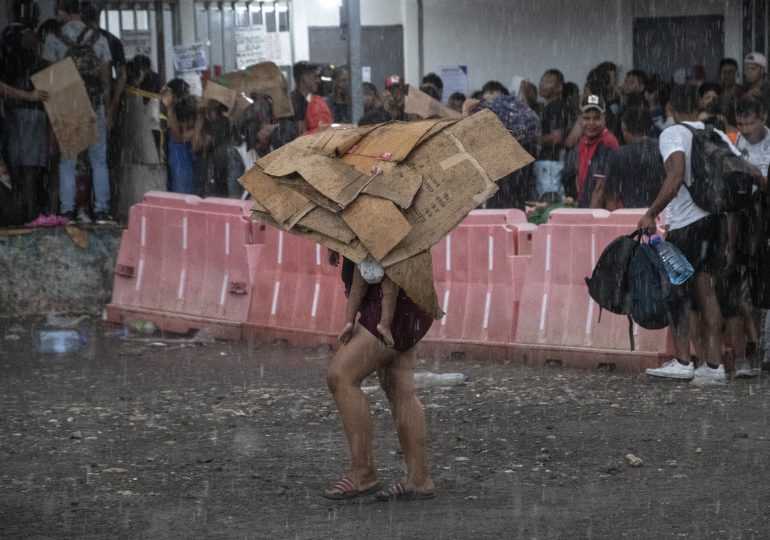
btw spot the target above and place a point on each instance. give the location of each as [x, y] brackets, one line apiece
[91, 54]
[699, 234]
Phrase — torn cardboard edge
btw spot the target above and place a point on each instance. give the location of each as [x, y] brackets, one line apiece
[414, 275]
[421, 104]
[286, 205]
[264, 78]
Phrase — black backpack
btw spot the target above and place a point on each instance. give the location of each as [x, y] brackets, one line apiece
[653, 299]
[89, 65]
[720, 180]
[609, 284]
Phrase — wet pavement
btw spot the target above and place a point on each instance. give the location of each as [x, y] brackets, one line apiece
[203, 439]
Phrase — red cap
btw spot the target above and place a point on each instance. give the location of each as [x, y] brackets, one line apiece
[393, 80]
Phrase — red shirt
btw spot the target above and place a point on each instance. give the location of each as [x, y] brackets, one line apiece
[586, 149]
[317, 113]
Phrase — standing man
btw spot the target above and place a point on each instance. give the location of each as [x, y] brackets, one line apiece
[755, 72]
[73, 33]
[310, 110]
[394, 97]
[635, 171]
[91, 10]
[754, 143]
[553, 122]
[731, 91]
[633, 89]
[25, 124]
[700, 236]
[589, 165]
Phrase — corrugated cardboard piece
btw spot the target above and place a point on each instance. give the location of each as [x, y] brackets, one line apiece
[264, 78]
[69, 109]
[419, 103]
[392, 190]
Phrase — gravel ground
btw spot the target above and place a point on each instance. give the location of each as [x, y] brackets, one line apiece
[128, 439]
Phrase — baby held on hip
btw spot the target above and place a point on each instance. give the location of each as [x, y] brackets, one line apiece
[369, 271]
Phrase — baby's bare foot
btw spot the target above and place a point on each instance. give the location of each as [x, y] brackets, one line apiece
[347, 333]
[387, 337]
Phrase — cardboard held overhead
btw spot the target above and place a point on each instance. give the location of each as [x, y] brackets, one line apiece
[459, 166]
[378, 224]
[284, 204]
[264, 78]
[69, 109]
[415, 276]
[222, 94]
[395, 191]
[419, 103]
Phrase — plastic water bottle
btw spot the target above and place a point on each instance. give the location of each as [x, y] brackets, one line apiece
[59, 341]
[676, 264]
[425, 378]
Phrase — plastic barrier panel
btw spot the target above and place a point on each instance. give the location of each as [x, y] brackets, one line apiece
[299, 296]
[562, 326]
[185, 263]
[510, 289]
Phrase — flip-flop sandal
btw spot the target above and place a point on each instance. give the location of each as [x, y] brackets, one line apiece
[345, 489]
[399, 492]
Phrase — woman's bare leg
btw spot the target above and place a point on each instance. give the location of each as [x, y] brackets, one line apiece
[397, 380]
[350, 365]
[389, 294]
[355, 297]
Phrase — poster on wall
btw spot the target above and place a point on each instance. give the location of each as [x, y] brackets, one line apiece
[190, 57]
[455, 79]
[254, 44]
[135, 43]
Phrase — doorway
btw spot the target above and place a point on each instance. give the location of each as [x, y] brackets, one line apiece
[664, 45]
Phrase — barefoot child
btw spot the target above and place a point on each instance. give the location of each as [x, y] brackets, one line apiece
[366, 273]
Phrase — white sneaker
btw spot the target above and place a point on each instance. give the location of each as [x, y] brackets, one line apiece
[743, 370]
[673, 370]
[707, 375]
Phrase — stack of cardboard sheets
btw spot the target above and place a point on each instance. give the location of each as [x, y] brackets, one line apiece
[391, 190]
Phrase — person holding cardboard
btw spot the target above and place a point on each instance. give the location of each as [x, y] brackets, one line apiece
[91, 53]
[363, 353]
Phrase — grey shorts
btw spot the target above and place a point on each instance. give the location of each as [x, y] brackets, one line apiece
[26, 137]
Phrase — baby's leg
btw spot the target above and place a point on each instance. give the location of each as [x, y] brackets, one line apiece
[389, 295]
[355, 297]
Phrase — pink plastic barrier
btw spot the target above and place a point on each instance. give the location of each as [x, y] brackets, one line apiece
[510, 290]
[478, 276]
[184, 260]
[562, 323]
[300, 297]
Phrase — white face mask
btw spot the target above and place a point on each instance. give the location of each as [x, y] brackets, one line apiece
[371, 270]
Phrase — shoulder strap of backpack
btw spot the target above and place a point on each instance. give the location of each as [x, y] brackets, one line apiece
[95, 35]
[81, 35]
[64, 39]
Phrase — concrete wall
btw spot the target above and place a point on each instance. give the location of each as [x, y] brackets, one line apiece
[498, 39]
